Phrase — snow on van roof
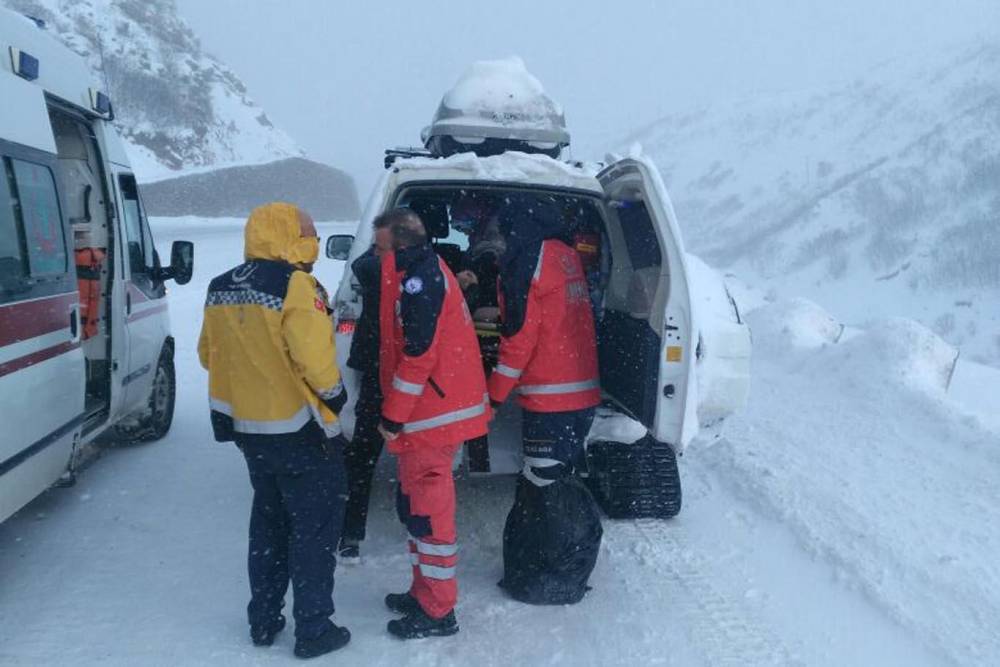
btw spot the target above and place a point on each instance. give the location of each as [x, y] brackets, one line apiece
[499, 98]
[511, 167]
[501, 85]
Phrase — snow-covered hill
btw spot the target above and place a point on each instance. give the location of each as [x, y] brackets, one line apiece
[177, 106]
[878, 198]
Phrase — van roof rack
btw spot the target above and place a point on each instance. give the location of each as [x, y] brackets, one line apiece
[393, 154]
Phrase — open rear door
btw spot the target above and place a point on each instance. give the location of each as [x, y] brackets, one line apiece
[647, 334]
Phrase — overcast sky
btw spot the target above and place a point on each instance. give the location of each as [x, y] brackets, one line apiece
[348, 79]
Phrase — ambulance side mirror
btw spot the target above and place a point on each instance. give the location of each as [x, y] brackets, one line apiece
[181, 262]
[338, 246]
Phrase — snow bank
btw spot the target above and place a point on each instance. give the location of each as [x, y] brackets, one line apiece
[902, 352]
[795, 324]
[857, 449]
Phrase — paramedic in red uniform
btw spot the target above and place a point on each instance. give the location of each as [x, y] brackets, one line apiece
[548, 352]
[435, 399]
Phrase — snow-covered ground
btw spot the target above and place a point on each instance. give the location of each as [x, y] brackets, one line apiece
[849, 516]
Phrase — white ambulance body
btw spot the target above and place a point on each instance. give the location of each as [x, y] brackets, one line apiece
[85, 339]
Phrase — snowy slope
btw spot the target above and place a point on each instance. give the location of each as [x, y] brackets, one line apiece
[878, 198]
[178, 107]
[848, 517]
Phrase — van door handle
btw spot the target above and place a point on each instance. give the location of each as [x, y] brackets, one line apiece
[74, 324]
[128, 303]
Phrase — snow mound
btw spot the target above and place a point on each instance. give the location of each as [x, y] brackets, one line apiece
[504, 88]
[902, 352]
[612, 426]
[798, 323]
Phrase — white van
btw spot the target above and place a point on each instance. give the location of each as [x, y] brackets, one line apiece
[85, 339]
[674, 352]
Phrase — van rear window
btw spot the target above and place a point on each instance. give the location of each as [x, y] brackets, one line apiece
[38, 205]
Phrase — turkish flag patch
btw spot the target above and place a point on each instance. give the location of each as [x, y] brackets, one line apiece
[320, 306]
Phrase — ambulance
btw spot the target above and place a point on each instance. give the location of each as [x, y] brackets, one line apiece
[85, 344]
[674, 350]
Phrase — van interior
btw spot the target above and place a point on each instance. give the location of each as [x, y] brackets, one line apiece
[86, 203]
[622, 257]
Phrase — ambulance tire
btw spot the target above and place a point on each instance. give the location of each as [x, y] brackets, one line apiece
[634, 481]
[155, 424]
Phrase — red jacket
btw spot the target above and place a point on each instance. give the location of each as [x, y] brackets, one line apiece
[431, 371]
[552, 358]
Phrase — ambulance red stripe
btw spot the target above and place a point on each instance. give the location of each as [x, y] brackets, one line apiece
[30, 319]
[20, 363]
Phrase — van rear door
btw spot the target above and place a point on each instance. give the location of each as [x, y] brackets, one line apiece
[647, 334]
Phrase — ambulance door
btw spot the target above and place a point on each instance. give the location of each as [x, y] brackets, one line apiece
[42, 371]
[647, 335]
[145, 295]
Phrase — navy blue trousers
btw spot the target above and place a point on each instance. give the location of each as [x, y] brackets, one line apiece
[553, 441]
[298, 511]
[361, 457]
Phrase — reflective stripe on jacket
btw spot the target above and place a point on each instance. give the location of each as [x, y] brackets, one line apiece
[431, 371]
[552, 358]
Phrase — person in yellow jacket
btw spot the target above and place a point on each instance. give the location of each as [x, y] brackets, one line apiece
[267, 342]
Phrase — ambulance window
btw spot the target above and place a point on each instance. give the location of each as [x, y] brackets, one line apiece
[38, 205]
[137, 236]
[12, 267]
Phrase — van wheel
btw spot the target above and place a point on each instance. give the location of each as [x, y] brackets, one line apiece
[637, 481]
[158, 416]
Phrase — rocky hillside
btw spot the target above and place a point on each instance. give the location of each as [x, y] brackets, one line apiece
[178, 107]
[877, 198]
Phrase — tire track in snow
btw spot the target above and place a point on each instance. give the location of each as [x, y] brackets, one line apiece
[718, 625]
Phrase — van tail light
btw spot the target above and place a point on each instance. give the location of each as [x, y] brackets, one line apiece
[347, 327]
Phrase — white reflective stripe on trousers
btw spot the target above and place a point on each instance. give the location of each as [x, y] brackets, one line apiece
[507, 371]
[264, 427]
[531, 462]
[436, 572]
[411, 388]
[561, 388]
[443, 550]
[447, 418]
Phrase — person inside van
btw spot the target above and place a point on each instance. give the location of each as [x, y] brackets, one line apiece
[267, 342]
[548, 352]
[478, 216]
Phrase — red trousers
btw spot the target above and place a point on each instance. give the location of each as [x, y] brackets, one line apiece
[425, 502]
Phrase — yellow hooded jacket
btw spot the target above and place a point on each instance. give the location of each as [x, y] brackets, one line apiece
[267, 338]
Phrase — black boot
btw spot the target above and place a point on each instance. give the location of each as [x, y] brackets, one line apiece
[263, 635]
[334, 638]
[402, 603]
[418, 624]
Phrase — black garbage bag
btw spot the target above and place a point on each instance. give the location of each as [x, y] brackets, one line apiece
[550, 542]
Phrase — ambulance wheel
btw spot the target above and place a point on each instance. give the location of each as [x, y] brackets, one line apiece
[637, 481]
[159, 414]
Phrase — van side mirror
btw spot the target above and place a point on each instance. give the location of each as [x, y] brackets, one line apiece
[181, 263]
[338, 246]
